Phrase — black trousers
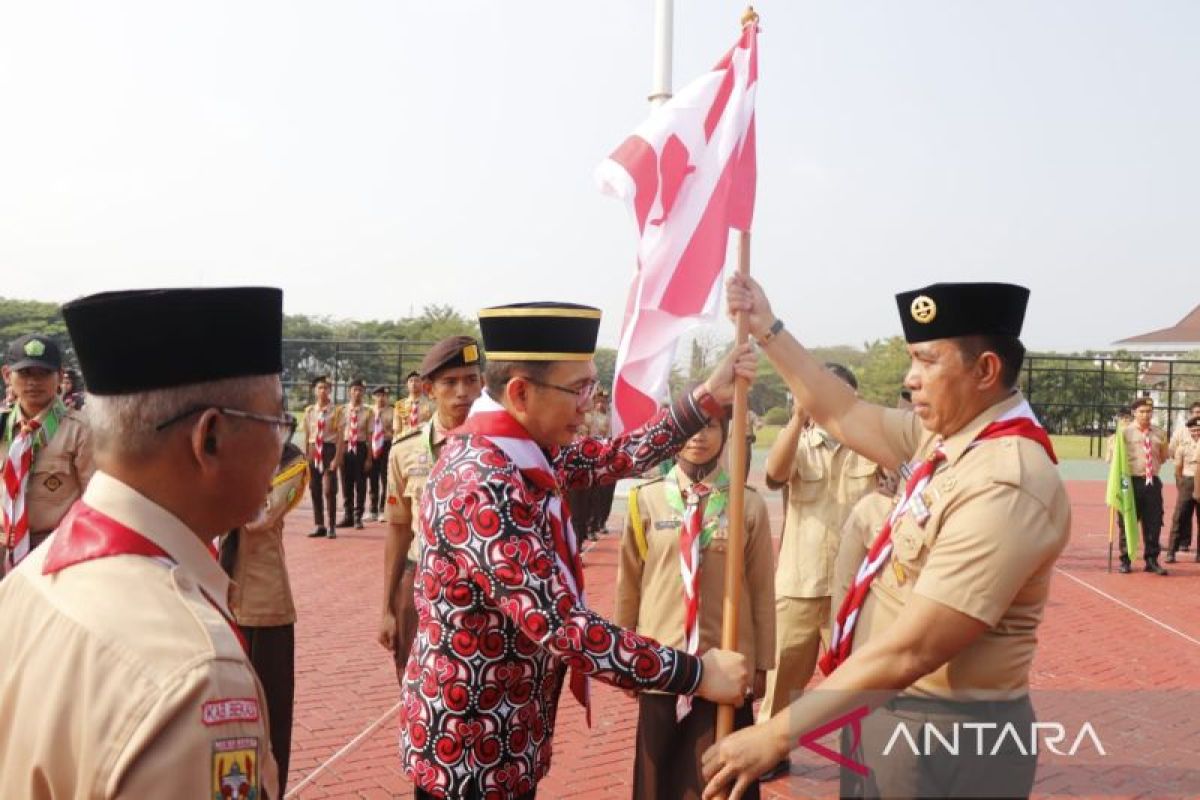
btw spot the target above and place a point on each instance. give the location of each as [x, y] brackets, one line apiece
[377, 480]
[1186, 507]
[354, 481]
[273, 654]
[579, 502]
[322, 488]
[1147, 496]
[602, 500]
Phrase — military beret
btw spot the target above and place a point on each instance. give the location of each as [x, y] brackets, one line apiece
[455, 351]
[1194, 422]
[33, 350]
[137, 341]
[540, 331]
[949, 310]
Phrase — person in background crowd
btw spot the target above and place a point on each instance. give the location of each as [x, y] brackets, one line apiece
[451, 378]
[1146, 452]
[824, 479]
[1181, 519]
[1186, 455]
[71, 390]
[45, 450]
[260, 598]
[322, 426]
[356, 463]
[412, 411]
[382, 434]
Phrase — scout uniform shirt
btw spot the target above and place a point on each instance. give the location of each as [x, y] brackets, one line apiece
[402, 413]
[121, 676]
[1186, 451]
[409, 464]
[365, 420]
[998, 519]
[1135, 449]
[827, 480]
[61, 467]
[261, 593]
[650, 596]
[333, 425]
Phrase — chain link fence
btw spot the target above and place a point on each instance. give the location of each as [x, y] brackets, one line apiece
[379, 363]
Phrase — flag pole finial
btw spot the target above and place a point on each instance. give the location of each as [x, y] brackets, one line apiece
[749, 16]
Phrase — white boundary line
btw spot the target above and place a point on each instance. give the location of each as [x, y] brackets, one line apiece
[1123, 604]
[346, 748]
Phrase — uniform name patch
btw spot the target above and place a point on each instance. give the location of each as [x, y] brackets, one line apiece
[235, 769]
[665, 524]
[230, 709]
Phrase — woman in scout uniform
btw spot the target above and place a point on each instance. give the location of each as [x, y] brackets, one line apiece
[450, 372]
[260, 598]
[663, 593]
[45, 450]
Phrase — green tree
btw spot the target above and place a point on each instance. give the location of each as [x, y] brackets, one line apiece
[21, 317]
[882, 372]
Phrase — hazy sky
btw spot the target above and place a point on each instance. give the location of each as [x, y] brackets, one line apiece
[372, 157]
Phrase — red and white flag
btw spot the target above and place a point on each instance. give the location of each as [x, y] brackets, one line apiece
[687, 174]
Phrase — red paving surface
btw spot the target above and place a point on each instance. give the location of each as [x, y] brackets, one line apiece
[1136, 680]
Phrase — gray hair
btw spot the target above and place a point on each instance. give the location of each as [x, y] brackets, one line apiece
[125, 423]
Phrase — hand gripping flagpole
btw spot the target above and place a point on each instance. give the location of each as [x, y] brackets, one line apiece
[738, 459]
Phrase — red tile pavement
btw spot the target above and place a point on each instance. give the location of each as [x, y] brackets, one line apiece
[1126, 648]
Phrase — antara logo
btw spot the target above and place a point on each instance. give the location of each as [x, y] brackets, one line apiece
[1054, 734]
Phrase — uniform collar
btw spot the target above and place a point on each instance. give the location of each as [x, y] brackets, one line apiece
[816, 435]
[958, 443]
[127, 506]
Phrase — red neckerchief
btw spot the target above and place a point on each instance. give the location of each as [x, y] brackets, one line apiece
[86, 534]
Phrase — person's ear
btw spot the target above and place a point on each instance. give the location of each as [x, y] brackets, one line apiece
[206, 437]
[517, 391]
[989, 370]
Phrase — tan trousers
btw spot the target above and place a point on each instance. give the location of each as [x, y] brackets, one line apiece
[801, 626]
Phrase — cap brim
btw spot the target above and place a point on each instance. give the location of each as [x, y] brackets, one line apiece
[34, 362]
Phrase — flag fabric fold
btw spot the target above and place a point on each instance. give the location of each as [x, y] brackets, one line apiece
[688, 176]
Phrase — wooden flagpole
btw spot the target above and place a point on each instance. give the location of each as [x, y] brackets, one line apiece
[738, 458]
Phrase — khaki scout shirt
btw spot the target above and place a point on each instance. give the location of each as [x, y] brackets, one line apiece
[1135, 449]
[409, 465]
[387, 417]
[1186, 451]
[119, 678]
[401, 411]
[366, 421]
[999, 519]
[827, 480]
[862, 526]
[261, 592]
[333, 421]
[61, 470]
[650, 590]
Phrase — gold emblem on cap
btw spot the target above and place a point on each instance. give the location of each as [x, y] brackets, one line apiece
[923, 309]
[470, 354]
[35, 349]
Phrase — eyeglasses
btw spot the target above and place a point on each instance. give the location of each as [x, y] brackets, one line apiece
[583, 394]
[285, 425]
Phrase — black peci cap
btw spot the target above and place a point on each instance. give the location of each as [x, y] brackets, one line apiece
[540, 332]
[137, 341]
[949, 310]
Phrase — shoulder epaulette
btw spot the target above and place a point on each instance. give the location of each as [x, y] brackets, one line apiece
[650, 481]
[406, 436]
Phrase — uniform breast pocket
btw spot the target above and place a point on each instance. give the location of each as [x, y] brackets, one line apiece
[911, 543]
[810, 471]
[52, 473]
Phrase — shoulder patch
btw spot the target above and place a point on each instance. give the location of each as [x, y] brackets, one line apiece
[235, 768]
